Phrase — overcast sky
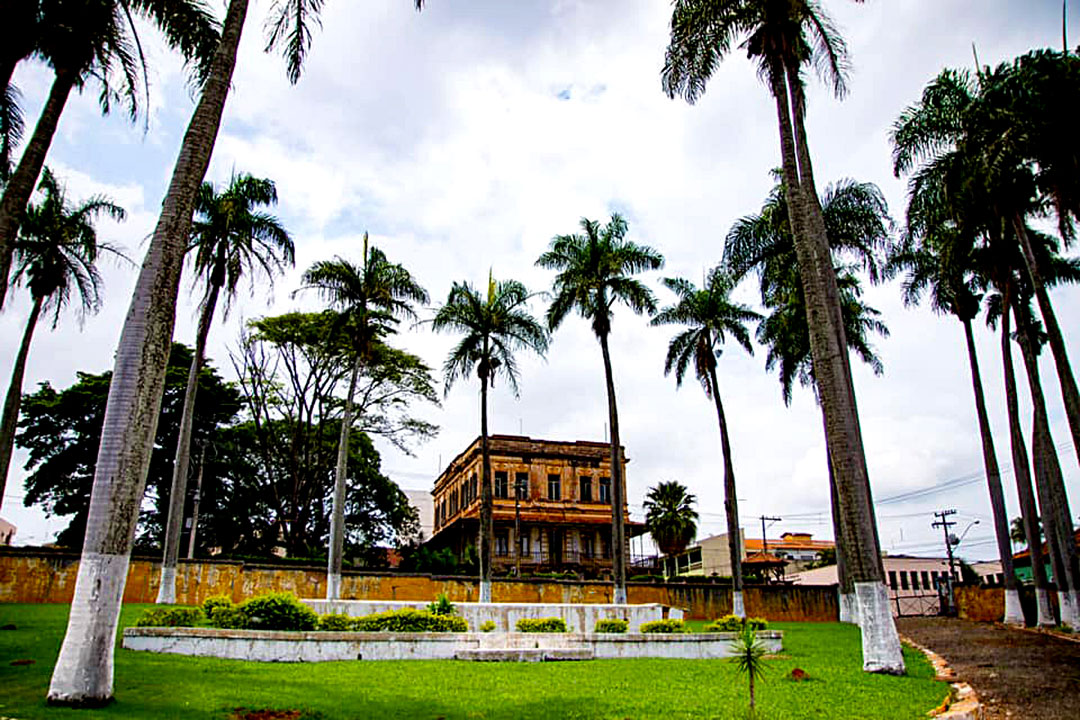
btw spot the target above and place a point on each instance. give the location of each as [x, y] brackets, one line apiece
[463, 138]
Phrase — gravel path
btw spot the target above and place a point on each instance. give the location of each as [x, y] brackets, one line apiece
[1016, 674]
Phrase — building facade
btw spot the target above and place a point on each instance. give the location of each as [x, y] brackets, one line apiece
[711, 556]
[915, 583]
[551, 509]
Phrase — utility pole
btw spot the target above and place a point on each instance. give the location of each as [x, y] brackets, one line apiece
[945, 525]
[764, 540]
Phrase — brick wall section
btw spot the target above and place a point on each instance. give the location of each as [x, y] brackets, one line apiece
[46, 577]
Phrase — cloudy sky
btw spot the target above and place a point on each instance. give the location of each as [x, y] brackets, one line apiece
[464, 137]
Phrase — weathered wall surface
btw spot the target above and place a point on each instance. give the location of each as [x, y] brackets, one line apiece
[981, 604]
[43, 577]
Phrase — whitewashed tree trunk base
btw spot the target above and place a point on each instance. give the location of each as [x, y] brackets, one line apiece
[1044, 612]
[619, 596]
[1014, 613]
[880, 641]
[849, 608]
[333, 586]
[737, 607]
[1074, 595]
[166, 594]
[1067, 607]
[84, 670]
[485, 591]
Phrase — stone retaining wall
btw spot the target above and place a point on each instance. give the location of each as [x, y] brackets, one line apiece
[36, 576]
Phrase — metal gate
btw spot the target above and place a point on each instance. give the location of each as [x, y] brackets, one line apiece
[917, 605]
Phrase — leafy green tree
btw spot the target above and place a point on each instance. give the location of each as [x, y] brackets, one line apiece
[61, 430]
[494, 328]
[371, 297]
[711, 316]
[293, 371]
[670, 516]
[89, 39]
[231, 239]
[782, 38]
[596, 270]
[56, 256]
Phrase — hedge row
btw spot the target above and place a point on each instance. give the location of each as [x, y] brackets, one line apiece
[734, 623]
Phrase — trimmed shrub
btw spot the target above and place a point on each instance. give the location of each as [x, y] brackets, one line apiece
[487, 626]
[409, 620]
[278, 611]
[611, 625]
[541, 625]
[734, 623]
[335, 622]
[170, 617]
[442, 606]
[212, 603]
[228, 618]
[668, 627]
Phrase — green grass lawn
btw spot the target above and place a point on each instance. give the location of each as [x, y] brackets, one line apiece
[170, 686]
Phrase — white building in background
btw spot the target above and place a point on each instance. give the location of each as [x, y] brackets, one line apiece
[424, 504]
[7, 532]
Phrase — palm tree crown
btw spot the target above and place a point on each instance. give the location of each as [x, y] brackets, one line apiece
[711, 316]
[670, 516]
[58, 248]
[494, 328]
[231, 239]
[595, 270]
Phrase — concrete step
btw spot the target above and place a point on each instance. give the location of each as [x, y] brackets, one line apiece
[524, 654]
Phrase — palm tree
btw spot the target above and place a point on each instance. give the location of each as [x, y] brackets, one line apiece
[596, 270]
[494, 328]
[83, 673]
[711, 316]
[93, 39]
[371, 298]
[671, 518]
[231, 239]
[936, 261]
[858, 223]
[781, 38]
[56, 255]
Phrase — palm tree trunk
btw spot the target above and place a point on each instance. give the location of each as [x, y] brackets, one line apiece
[84, 670]
[1014, 614]
[13, 400]
[849, 610]
[178, 493]
[618, 489]
[1022, 472]
[20, 185]
[832, 374]
[486, 500]
[1069, 393]
[731, 503]
[341, 473]
[1053, 501]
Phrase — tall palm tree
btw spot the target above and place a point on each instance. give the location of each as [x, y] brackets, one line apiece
[937, 259]
[711, 316]
[494, 328]
[371, 298]
[84, 670]
[56, 256]
[231, 239]
[93, 39]
[858, 223]
[595, 271]
[782, 38]
[671, 518]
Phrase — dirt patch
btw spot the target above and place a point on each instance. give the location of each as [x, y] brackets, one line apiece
[269, 714]
[1016, 674]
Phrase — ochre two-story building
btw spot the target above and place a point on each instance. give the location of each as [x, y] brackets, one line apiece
[552, 505]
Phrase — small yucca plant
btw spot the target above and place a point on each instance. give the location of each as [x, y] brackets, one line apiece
[749, 658]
